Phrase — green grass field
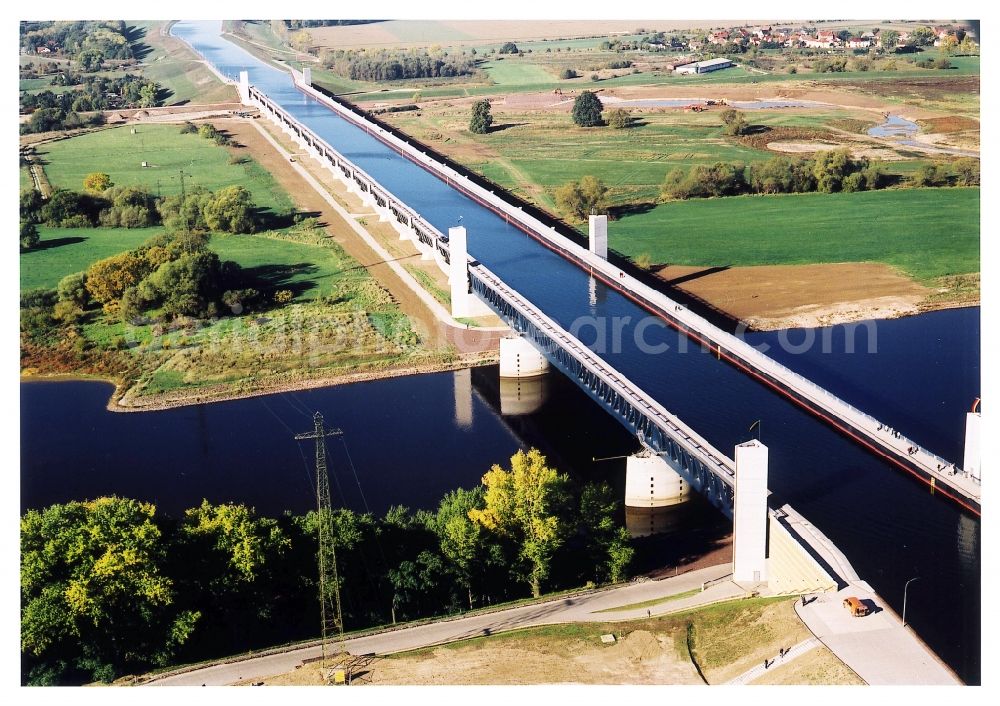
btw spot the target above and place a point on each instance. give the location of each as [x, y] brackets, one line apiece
[927, 233]
[309, 270]
[120, 153]
[64, 251]
[515, 73]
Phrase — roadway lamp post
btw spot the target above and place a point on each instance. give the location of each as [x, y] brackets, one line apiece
[906, 586]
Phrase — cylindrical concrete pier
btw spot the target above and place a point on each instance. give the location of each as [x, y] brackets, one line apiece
[519, 359]
[651, 482]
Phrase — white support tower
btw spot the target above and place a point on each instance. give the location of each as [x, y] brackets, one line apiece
[750, 514]
[307, 76]
[599, 236]
[971, 465]
[244, 87]
[651, 482]
[463, 302]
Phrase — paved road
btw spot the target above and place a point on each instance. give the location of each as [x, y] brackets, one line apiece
[876, 646]
[776, 661]
[565, 610]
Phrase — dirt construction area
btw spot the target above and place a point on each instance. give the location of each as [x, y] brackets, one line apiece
[728, 639]
[768, 297]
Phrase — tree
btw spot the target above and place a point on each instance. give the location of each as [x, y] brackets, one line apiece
[949, 44]
[28, 235]
[481, 117]
[508, 48]
[734, 121]
[967, 171]
[607, 543]
[107, 279]
[922, 36]
[187, 285]
[928, 175]
[97, 181]
[230, 210]
[619, 118]
[587, 109]
[580, 199]
[830, 168]
[527, 503]
[889, 39]
[462, 541]
[568, 74]
[95, 599]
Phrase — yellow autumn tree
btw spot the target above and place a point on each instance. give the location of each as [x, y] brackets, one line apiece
[528, 505]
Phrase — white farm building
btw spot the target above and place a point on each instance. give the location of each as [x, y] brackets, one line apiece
[703, 67]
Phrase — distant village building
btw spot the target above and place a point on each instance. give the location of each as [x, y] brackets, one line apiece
[859, 43]
[704, 67]
[719, 37]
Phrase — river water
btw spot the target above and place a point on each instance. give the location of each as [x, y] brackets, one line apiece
[404, 446]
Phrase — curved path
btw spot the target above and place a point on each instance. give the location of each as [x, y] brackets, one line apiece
[580, 608]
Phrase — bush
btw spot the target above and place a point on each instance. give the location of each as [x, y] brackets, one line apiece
[208, 131]
[508, 48]
[568, 73]
[188, 128]
[619, 118]
[28, 235]
[735, 122]
[73, 288]
[966, 171]
[283, 296]
[595, 77]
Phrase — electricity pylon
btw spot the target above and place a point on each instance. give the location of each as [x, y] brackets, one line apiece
[332, 620]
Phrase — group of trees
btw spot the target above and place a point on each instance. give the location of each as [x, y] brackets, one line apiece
[175, 273]
[961, 172]
[111, 586]
[228, 210]
[91, 43]
[396, 64]
[208, 131]
[828, 171]
[60, 111]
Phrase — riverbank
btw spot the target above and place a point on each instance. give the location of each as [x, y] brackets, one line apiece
[206, 395]
[774, 297]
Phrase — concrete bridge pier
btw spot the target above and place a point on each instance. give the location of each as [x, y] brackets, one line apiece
[650, 482]
[750, 514]
[971, 464]
[520, 359]
[307, 76]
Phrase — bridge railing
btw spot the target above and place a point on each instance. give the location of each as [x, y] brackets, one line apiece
[394, 203]
[717, 463]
